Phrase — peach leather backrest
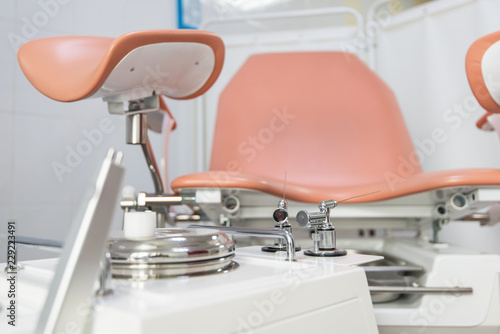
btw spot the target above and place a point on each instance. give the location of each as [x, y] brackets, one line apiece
[323, 118]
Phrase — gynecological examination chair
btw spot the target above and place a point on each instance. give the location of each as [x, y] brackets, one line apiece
[334, 128]
[309, 127]
[323, 119]
[169, 275]
[293, 129]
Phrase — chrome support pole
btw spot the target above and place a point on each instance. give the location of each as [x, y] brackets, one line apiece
[153, 167]
[105, 275]
[137, 134]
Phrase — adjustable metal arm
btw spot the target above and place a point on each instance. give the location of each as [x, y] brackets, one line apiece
[153, 167]
[154, 201]
[137, 134]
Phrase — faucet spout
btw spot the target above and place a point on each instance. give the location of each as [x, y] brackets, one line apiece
[259, 232]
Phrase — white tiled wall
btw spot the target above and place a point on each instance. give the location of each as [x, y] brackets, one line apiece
[36, 132]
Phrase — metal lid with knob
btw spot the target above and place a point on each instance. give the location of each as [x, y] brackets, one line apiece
[172, 252]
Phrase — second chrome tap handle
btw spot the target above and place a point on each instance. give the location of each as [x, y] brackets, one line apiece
[324, 233]
[310, 219]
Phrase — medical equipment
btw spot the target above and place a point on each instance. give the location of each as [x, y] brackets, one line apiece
[408, 199]
[168, 275]
[324, 239]
[301, 90]
[280, 216]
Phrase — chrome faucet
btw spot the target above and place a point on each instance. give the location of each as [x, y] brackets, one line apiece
[280, 217]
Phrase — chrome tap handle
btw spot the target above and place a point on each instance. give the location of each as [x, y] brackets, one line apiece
[310, 220]
[327, 205]
[317, 219]
[324, 238]
[280, 215]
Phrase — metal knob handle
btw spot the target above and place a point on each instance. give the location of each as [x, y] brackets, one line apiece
[330, 204]
[324, 232]
[280, 215]
[302, 218]
[317, 219]
[309, 220]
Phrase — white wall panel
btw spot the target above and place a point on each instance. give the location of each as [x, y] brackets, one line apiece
[36, 132]
[421, 55]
